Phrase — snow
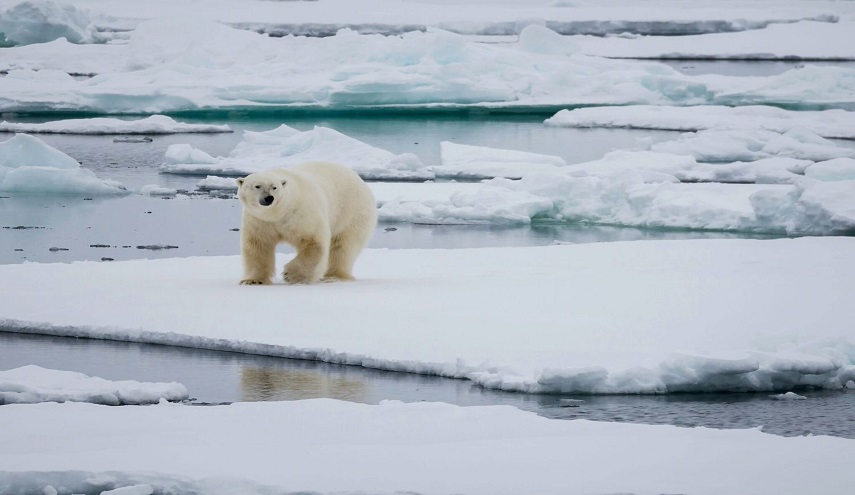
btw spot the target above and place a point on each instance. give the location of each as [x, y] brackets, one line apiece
[828, 123]
[33, 384]
[633, 317]
[155, 124]
[285, 146]
[29, 166]
[385, 449]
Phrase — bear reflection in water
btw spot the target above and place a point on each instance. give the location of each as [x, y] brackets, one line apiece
[265, 384]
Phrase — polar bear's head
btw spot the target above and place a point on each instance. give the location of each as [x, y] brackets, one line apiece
[261, 190]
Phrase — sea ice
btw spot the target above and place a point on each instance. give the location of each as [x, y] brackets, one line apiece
[187, 65]
[793, 41]
[29, 166]
[828, 123]
[285, 146]
[748, 145]
[33, 384]
[385, 448]
[631, 317]
[155, 124]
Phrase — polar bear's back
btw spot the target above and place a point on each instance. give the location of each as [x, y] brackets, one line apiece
[348, 197]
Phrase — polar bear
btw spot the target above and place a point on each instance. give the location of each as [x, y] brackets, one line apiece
[324, 210]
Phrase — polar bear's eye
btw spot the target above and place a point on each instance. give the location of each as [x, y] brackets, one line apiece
[258, 187]
[274, 188]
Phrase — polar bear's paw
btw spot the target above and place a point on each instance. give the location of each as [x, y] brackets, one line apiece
[252, 281]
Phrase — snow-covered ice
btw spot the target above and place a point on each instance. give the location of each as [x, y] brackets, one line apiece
[155, 124]
[325, 446]
[29, 166]
[837, 169]
[181, 64]
[33, 384]
[828, 124]
[634, 317]
[794, 41]
[285, 146]
[748, 145]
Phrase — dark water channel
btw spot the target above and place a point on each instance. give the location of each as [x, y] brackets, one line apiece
[214, 377]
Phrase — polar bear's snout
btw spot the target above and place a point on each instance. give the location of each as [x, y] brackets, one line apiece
[266, 200]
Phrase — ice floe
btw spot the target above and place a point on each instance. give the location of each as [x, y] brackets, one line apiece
[29, 166]
[155, 124]
[33, 384]
[384, 449]
[828, 124]
[286, 146]
[748, 145]
[635, 317]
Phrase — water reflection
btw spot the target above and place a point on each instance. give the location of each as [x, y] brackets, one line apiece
[259, 384]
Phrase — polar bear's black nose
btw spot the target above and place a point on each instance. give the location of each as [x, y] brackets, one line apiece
[267, 200]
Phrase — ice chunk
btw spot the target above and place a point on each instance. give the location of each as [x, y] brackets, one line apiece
[788, 396]
[31, 384]
[40, 21]
[28, 165]
[285, 146]
[24, 150]
[156, 190]
[539, 39]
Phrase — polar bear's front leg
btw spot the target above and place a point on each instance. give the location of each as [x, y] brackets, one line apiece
[258, 250]
[310, 264]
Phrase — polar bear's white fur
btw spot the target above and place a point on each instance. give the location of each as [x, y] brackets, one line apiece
[324, 210]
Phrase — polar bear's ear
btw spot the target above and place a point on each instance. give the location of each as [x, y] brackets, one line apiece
[239, 182]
